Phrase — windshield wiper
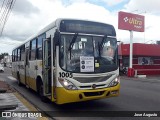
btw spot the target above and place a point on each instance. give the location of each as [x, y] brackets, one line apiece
[72, 41]
[102, 42]
[100, 45]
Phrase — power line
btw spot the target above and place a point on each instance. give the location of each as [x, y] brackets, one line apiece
[3, 9]
[2, 6]
[10, 42]
[6, 18]
[5, 12]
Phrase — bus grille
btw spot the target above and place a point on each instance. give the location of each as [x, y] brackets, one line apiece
[89, 86]
[88, 94]
[91, 79]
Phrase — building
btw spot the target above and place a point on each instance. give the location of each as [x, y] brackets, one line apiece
[7, 61]
[146, 58]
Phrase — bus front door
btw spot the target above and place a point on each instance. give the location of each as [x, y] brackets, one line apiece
[27, 76]
[47, 67]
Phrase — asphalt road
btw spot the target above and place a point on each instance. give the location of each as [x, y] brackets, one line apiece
[139, 95]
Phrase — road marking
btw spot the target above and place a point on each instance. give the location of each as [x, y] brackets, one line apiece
[12, 78]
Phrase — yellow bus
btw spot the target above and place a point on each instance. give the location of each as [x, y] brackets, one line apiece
[70, 60]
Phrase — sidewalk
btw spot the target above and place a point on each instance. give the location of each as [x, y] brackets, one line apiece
[147, 78]
[156, 77]
[12, 101]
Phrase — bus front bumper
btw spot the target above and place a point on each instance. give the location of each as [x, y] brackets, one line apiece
[68, 96]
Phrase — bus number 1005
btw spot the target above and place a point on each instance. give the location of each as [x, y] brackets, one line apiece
[63, 74]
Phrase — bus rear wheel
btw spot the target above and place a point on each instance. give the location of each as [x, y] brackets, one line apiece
[18, 80]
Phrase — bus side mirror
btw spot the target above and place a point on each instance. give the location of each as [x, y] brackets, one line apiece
[56, 38]
[119, 42]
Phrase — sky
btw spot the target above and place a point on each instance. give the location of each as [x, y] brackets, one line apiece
[30, 16]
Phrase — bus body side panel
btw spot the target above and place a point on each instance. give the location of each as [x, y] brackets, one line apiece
[22, 71]
[14, 69]
[39, 70]
[32, 74]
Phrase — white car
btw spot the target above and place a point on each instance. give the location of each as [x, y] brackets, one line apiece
[1, 68]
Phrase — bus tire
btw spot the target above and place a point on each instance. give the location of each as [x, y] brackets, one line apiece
[18, 79]
[40, 90]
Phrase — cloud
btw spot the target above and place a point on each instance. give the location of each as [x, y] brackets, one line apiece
[36, 14]
[7, 44]
[150, 6]
[24, 23]
[69, 2]
[24, 7]
[113, 2]
[19, 26]
[152, 27]
[88, 11]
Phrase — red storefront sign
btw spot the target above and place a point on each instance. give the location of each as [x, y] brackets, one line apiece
[129, 21]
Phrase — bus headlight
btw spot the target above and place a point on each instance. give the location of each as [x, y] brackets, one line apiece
[67, 84]
[114, 82]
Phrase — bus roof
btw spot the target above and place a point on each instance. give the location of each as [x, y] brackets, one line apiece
[53, 24]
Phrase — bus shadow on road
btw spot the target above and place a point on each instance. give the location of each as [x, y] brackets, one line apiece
[85, 105]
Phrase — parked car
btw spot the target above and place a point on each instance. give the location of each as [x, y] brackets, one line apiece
[1, 68]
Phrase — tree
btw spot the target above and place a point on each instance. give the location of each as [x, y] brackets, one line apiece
[2, 55]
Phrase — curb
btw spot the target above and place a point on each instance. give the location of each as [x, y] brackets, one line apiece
[29, 104]
[31, 107]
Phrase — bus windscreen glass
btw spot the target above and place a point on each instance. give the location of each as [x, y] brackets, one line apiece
[88, 53]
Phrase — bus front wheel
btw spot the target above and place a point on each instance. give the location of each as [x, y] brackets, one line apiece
[43, 98]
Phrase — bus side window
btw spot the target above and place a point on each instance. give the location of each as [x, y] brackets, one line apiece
[27, 45]
[26, 57]
[32, 55]
[18, 54]
[39, 47]
[13, 56]
[22, 53]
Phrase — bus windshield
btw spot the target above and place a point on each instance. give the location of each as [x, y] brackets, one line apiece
[88, 54]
